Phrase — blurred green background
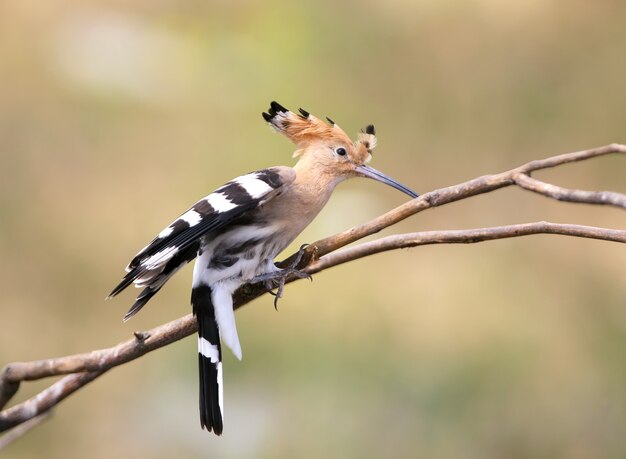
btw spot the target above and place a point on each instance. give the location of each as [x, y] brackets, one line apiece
[115, 116]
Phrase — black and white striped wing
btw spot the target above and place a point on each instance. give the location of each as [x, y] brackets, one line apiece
[178, 244]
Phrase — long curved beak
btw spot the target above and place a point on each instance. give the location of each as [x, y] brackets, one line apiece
[368, 171]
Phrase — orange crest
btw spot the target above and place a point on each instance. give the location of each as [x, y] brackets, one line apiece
[304, 130]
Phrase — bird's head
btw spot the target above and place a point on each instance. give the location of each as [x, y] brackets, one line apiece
[326, 148]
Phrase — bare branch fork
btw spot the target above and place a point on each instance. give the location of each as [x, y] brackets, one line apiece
[80, 369]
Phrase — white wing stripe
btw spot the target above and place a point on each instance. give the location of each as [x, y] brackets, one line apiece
[192, 217]
[219, 202]
[159, 258]
[165, 233]
[254, 186]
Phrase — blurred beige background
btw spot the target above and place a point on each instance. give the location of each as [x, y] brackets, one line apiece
[115, 116]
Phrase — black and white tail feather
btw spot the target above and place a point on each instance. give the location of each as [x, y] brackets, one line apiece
[221, 230]
[209, 361]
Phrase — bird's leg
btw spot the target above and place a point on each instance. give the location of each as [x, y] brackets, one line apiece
[276, 279]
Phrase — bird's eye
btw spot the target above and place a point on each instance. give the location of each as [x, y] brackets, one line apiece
[341, 151]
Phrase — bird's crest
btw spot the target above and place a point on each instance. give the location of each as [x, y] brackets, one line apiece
[366, 141]
[304, 129]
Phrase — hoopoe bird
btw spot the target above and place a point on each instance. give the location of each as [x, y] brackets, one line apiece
[237, 231]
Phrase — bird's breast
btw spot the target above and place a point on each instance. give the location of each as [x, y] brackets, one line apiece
[251, 244]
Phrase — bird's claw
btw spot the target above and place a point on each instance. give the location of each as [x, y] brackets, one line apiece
[276, 280]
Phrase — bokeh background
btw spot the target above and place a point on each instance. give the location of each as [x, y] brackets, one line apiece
[115, 116]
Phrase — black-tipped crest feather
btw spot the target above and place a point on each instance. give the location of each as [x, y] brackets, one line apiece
[277, 107]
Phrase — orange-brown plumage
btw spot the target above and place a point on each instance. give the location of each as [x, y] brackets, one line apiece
[309, 133]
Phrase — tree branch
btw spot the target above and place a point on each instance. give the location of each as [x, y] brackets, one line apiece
[23, 428]
[565, 194]
[469, 236]
[84, 368]
[455, 193]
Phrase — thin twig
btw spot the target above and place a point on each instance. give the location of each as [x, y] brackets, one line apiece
[23, 428]
[83, 368]
[565, 194]
[45, 399]
[469, 236]
[567, 158]
[102, 359]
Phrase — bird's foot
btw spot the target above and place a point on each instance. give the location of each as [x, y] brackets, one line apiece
[276, 279]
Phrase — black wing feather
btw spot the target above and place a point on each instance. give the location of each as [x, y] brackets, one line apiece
[182, 234]
[181, 240]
